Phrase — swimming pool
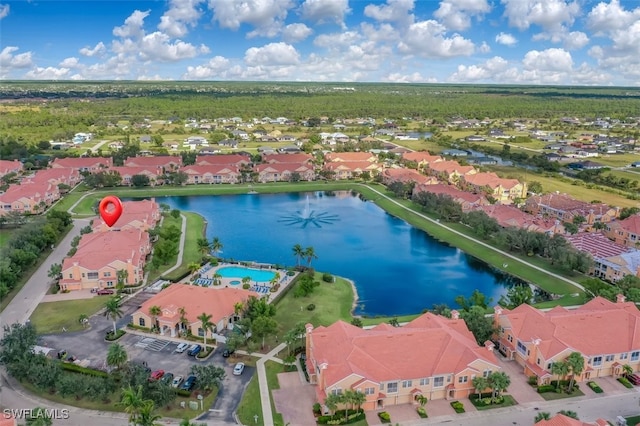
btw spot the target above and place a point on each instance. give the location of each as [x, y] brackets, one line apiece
[257, 275]
[235, 282]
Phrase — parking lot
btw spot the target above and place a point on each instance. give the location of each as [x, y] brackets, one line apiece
[90, 349]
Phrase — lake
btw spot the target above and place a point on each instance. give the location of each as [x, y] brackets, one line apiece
[397, 268]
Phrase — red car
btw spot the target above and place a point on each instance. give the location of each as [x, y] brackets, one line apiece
[104, 291]
[156, 375]
[634, 378]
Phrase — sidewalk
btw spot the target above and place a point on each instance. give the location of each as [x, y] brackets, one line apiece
[265, 397]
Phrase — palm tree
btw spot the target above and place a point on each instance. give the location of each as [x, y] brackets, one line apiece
[122, 277]
[113, 312]
[348, 398]
[83, 319]
[117, 355]
[310, 254]
[216, 246]
[499, 382]
[55, 271]
[331, 401]
[421, 399]
[184, 322]
[298, 252]
[627, 370]
[39, 417]
[480, 383]
[204, 246]
[193, 267]
[146, 417]
[216, 279]
[206, 325]
[561, 368]
[238, 308]
[246, 280]
[132, 401]
[542, 416]
[359, 398]
[576, 362]
[155, 312]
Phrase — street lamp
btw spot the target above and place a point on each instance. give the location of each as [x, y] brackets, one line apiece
[200, 398]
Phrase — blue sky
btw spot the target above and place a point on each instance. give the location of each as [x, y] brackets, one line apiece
[580, 42]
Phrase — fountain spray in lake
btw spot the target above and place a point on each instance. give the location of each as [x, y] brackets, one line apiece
[308, 216]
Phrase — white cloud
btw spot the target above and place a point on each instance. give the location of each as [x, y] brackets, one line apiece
[415, 77]
[157, 46]
[575, 40]
[396, 11]
[155, 77]
[9, 61]
[69, 63]
[611, 16]
[272, 54]
[294, 33]
[551, 15]
[214, 68]
[337, 40]
[322, 11]
[457, 14]
[484, 47]
[427, 39]
[266, 16]
[181, 15]
[132, 25]
[548, 60]
[98, 50]
[485, 71]
[4, 10]
[506, 39]
[48, 73]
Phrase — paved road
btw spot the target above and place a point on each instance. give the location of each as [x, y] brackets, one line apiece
[98, 146]
[26, 301]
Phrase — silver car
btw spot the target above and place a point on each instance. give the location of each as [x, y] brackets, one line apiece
[238, 369]
[182, 347]
[176, 381]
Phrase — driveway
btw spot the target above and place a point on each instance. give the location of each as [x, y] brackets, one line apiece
[519, 389]
[294, 400]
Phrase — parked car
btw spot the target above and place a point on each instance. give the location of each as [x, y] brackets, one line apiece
[634, 378]
[227, 353]
[194, 350]
[176, 381]
[104, 291]
[167, 378]
[182, 347]
[238, 369]
[189, 383]
[156, 375]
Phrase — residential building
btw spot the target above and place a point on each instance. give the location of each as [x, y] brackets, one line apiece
[385, 366]
[297, 158]
[422, 158]
[28, 197]
[614, 268]
[351, 169]
[509, 216]
[182, 304]
[504, 191]
[100, 255]
[283, 172]
[467, 200]
[142, 215]
[7, 167]
[127, 173]
[537, 339]
[83, 164]
[407, 176]
[216, 173]
[449, 171]
[565, 208]
[56, 176]
[596, 244]
[351, 157]
[562, 420]
[223, 159]
[165, 163]
[625, 232]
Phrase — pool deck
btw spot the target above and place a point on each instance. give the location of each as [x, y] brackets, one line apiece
[207, 273]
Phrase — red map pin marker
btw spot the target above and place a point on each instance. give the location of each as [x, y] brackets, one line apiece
[110, 209]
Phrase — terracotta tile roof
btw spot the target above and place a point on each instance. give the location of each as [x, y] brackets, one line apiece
[214, 169]
[222, 159]
[630, 224]
[57, 175]
[282, 167]
[450, 167]
[353, 166]
[562, 420]
[7, 167]
[421, 157]
[82, 162]
[565, 203]
[407, 175]
[373, 353]
[586, 329]
[99, 249]
[507, 216]
[125, 171]
[350, 156]
[597, 245]
[35, 191]
[491, 180]
[218, 302]
[297, 158]
[142, 211]
[160, 161]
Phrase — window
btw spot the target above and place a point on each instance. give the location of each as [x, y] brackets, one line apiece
[141, 322]
[424, 382]
[609, 358]
[407, 383]
[107, 274]
[369, 391]
[337, 391]
[92, 275]
[624, 356]
[538, 361]
[449, 379]
[392, 387]
[521, 348]
[597, 360]
[70, 276]
[463, 379]
[549, 366]
[438, 382]
[83, 275]
[635, 355]
[486, 373]
[381, 386]
[109, 283]
[200, 332]
[510, 338]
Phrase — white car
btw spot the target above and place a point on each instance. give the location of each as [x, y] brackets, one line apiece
[182, 347]
[176, 381]
[238, 369]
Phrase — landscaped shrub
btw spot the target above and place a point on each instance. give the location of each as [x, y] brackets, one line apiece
[485, 400]
[422, 412]
[625, 382]
[339, 419]
[327, 277]
[532, 380]
[83, 370]
[138, 327]
[384, 417]
[311, 307]
[110, 337]
[246, 286]
[183, 392]
[546, 388]
[457, 406]
[594, 386]
[317, 409]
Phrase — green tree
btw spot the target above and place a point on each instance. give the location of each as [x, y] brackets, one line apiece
[204, 246]
[39, 417]
[155, 311]
[208, 376]
[498, 382]
[561, 369]
[576, 363]
[357, 322]
[535, 187]
[298, 252]
[117, 356]
[113, 312]
[216, 246]
[133, 402]
[476, 299]
[263, 326]
[193, 267]
[516, 296]
[83, 319]
[122, 277]
[175, 213]
[140, 180]
[422, 400]
[206, 325]
[331, 401]
[569, 413]
[479, 383]
[627, 370]
[542, 416]
[145, 416]
[55, 271]
[481, 326]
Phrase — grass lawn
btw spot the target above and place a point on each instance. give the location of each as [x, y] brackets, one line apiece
[250, 404]
[195, 230]
[507, 402]
[5, 235]
[633, 421]
[50, 317]
[167, 221]
[552, 396]
[379, 320]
